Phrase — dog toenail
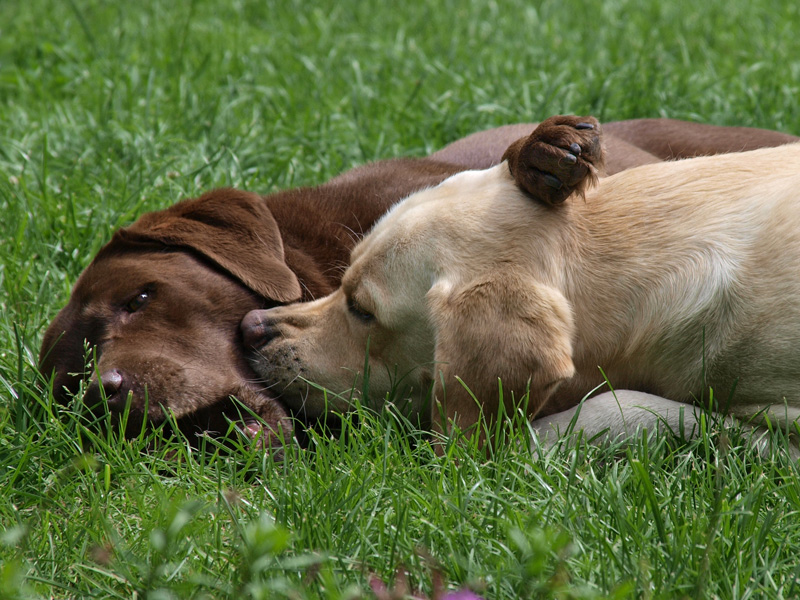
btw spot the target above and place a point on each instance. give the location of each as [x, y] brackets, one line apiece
[570, 159]
[584, 126]
[575, 149]
[553, 182]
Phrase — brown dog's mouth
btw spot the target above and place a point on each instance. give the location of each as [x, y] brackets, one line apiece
[264, 422]
[121, 402]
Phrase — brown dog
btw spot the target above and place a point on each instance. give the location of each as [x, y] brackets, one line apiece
[669, 277]
[161, 303]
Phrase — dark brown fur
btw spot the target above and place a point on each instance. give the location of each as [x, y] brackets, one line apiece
[535, 159]
[161, 303]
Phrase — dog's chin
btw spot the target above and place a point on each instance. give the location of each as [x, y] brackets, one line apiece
[243, 412]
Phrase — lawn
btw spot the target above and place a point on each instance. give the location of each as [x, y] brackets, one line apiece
[109, 109]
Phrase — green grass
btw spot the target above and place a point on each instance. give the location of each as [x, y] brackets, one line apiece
[109, 109]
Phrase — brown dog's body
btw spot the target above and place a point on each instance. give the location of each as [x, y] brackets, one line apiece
[161, 303]
[669, 277]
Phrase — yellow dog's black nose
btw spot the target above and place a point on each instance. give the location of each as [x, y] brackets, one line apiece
[258, 329]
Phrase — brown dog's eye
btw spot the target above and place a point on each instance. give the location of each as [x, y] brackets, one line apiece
[358, 312]
[137, 302]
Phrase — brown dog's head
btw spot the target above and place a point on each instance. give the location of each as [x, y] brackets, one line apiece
[159, 309]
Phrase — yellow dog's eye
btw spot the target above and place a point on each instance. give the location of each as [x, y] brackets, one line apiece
[358, 312]
[138, 301]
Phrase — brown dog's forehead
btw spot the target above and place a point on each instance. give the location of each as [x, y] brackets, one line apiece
[107, 276]
[112, 276]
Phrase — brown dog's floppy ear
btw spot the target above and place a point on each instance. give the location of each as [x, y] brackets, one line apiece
[562, 156]
[500, 327]
[232, 228]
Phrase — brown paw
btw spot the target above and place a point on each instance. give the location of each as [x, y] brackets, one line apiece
[562, 156]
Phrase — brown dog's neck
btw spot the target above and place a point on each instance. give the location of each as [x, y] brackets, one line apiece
[320, 226]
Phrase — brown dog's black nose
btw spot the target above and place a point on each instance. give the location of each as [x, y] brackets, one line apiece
[112, 383]
[257, 329]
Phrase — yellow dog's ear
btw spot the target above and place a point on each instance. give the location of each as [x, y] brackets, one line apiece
[499, 327]
[563, 155]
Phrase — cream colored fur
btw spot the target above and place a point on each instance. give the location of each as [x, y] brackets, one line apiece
[671, 277]
[623, 415]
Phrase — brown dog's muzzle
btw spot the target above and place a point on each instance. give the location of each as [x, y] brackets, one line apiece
[116, 393]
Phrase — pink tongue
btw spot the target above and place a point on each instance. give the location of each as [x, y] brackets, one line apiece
[262, 437]
[253, 429]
